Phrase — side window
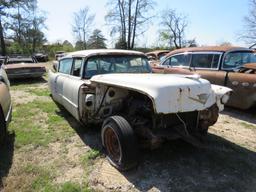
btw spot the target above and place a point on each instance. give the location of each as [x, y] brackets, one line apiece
[65, 66]
[167, 62]
[77, 65]
[209, 61]
[180, 60]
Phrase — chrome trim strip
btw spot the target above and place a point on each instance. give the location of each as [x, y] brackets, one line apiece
[70, 102]
[9, 115]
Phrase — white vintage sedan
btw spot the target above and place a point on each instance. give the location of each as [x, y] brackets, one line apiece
[137, 108]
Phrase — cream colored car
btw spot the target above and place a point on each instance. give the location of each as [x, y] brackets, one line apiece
[136, 108]
[5, 104]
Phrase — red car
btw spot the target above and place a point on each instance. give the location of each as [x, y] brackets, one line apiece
[233, 67]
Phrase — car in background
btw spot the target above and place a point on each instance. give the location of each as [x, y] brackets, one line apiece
[155, 57]
[2, 59]
[23, 67]
[59, 54]
[5, 104]
[40, 57]
[233, 67]
[136, 108]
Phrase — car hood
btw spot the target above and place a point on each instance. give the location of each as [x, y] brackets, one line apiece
[22, 65]
[169, 93]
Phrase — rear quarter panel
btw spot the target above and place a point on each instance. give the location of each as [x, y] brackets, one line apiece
[5, 98]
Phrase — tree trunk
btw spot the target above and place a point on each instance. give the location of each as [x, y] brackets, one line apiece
[2, 39]
[129, 25]
[135, 23]
[123, 22]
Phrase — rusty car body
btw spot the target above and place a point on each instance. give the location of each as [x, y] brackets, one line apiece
[156, 56]
[5, 104]
[117, 89]
[23, 67]
[226, 66]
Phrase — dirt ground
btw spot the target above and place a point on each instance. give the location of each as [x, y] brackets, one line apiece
[227, 163]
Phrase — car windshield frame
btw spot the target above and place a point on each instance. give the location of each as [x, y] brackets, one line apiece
[241, 61]
[119, 63]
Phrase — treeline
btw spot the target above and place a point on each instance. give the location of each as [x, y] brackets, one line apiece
[22, 27]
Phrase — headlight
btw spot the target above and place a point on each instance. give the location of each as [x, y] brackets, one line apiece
[225, 98]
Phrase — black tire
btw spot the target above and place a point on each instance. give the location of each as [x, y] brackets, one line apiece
[3, 130]
[120, 143]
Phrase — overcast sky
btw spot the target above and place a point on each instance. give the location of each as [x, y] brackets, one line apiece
[210, 21]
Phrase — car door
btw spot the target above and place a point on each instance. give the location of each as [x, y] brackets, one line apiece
[57, 79]
[71, 87]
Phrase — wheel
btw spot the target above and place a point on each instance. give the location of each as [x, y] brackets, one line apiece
[120, 143]
[2, 127]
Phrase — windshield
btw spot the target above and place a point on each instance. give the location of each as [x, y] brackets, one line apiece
[237, 59]
[116, 64]
[17, 61]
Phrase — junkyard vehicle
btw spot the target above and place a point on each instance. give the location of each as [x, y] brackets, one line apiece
[155, 57]
[20, 67]
[5, 104]
[40, 57]
[226, 66]
[135, 107]
[59, 54]
[2, 59]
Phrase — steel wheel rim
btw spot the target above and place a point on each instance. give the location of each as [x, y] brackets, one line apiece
[112, 144]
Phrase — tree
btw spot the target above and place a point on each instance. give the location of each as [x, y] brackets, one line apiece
[5, 7]
[96, 40]
[249, 35]
[34, 35]
[23, 24]
[127, 18]
[225, 43]
[174, 26]
[79, 45]
[82, 24]
[67, 46]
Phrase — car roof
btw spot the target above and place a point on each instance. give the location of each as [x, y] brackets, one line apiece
[209, 48]
[91, 52]
[156, 52]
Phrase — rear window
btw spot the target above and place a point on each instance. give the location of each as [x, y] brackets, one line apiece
[205, 60]
[14, 61]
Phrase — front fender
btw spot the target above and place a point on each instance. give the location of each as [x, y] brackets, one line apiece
[222, 95]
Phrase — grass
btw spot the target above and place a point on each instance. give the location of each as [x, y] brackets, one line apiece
[47, 148]
[247, 125]
[38, 125]
[88, 158]
[39, 92]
